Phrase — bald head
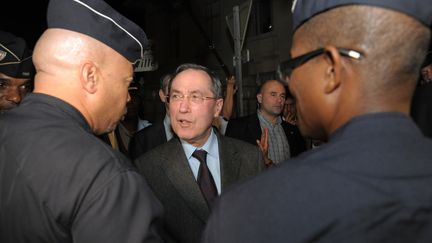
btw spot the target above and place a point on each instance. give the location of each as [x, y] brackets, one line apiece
[84, 72]
[394, 43]
[70, 49]
[332, 88]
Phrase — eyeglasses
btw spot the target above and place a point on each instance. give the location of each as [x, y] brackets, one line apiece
[285, 68]
[195, 98]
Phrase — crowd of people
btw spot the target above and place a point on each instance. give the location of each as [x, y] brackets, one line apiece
[339, 149]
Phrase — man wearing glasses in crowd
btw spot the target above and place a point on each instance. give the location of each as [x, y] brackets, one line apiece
[188, 172]
[353, 74]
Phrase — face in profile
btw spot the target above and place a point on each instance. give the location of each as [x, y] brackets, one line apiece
[192, 106]
[114, 94]
[12, 91]
[306, 88]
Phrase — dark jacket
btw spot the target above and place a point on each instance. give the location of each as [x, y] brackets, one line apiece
[371, 183]
[60, 183]
[248, 129]
[146, 139]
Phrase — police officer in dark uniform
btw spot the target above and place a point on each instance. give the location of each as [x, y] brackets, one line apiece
[354, 69]
[16, 70]
[59, 182]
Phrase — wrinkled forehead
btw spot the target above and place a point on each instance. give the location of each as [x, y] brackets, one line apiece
[191, 80]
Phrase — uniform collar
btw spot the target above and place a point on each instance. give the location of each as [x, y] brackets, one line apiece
[65, 108]
[373, 123]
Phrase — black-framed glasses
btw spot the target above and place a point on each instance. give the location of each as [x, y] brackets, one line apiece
[285, 68]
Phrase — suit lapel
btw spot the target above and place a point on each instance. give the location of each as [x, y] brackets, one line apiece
[180, 175]
[229, 162]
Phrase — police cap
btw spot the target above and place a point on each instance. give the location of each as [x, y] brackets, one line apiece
[97, 19]
[15, 57]
[418, 9]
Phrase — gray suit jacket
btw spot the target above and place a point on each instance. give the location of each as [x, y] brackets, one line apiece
[168, 173]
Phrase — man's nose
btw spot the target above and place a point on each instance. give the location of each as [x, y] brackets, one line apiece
[13, 95]
[184, 104]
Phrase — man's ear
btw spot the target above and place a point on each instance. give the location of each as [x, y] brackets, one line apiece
[89, 77]
[333, 70]
[219, 105]
[259, 98]
[162, 96]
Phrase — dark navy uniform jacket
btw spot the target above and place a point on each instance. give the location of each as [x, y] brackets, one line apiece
[372, 182]
[60, 183]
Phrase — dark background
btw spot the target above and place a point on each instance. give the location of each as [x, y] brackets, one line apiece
[27, 18]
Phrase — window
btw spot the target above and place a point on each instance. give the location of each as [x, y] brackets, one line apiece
[260, 18]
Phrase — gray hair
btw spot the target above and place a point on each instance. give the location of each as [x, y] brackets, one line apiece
[216, 87]
[164, 83]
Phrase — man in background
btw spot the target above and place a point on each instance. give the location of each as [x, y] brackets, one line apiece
[16, 70]
[284, 139]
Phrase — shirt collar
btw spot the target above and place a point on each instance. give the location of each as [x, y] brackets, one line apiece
[67, 109]
[266, 122]
[208, 146]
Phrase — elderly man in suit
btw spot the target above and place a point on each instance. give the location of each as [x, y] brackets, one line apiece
[189, 171]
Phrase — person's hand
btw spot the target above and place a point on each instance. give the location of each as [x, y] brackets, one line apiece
[291, 118]
[231, 86]
[263, 145]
